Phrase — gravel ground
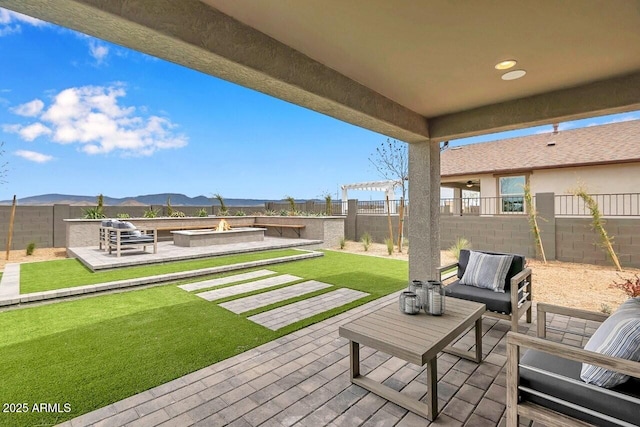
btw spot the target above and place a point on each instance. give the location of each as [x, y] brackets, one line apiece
[574, 285]
[40, 254]
[562, 283]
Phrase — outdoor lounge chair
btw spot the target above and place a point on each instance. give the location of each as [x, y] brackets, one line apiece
[561, 385]
[119, 235]
[509, 303]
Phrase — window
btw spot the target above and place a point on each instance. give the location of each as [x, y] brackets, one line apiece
[512, 194]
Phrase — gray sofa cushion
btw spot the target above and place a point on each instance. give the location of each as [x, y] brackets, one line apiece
[126, 225]
[495, 301]
[137, 239]
[517, 265]
[568, 386]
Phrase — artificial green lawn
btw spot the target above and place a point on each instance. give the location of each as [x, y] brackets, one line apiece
[98, 350]
[67, 273]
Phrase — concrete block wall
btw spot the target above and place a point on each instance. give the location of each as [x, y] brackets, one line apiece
[499, 234]
[31, 224]
[378, 227]
[576, 241]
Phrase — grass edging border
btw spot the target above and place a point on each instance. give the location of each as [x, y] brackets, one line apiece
[162, 278]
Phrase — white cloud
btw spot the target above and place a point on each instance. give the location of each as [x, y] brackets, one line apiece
[33, 131]
[30, 109]
[10, 22]
[93, 118]
[98, 51]
[11, 128]
[34, 156]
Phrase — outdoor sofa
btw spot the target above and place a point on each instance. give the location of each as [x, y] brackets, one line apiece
[561, 385]
[509, 298]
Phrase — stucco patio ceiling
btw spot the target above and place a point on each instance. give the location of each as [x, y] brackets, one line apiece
[413, 70]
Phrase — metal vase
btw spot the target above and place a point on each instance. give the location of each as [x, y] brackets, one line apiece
[435, 298]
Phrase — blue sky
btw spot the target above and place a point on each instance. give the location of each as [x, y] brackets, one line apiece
[82, 116]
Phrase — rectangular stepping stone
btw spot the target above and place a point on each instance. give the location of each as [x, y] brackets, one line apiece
[248, 287]
[283, 316]
[226, 280]
[242, 305]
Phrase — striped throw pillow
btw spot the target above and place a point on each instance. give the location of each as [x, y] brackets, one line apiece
[486, 271]
[618, 336]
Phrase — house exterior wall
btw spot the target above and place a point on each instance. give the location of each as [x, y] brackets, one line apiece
[600, 179]
[605, 179]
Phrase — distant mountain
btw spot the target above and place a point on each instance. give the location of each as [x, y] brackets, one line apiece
[143, 200]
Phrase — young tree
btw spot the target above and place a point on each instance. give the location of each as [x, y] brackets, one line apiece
[391, 160]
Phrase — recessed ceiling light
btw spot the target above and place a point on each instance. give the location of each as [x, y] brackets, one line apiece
[505, 65]
[512, 75]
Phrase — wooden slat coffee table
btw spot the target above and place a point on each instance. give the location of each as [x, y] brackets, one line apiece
[416, 339]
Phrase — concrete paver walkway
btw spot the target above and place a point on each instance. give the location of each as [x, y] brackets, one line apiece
[10, 282]
[248, 287]
[243, 305]
[288, 314]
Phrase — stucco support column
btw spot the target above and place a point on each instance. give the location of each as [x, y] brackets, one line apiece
[424, 210]
[457, 201]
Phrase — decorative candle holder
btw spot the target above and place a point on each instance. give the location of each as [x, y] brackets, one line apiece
[421, 292]
[435, 304]
[408, 303]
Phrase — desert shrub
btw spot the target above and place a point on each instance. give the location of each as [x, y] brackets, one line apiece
[151, 213]
[223, 207]
[202, 212]
[93, 213]
[631, 286]
[389, 242]
[270, 212]
[177, 214]
[257, 214]
[343, 242]
[461, 243]
[240, 213]
[284, 212]
[123, 215]
[30, 248]
[366, 240]
[605, 308]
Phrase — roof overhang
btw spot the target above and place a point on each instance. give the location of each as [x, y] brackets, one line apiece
[409, 70]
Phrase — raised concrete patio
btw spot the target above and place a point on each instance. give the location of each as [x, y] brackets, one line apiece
[302, 379]
[95, 259]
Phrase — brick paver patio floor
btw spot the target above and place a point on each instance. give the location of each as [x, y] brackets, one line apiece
[302, 379]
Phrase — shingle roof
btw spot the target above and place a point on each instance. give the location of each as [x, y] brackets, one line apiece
[612, 143]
